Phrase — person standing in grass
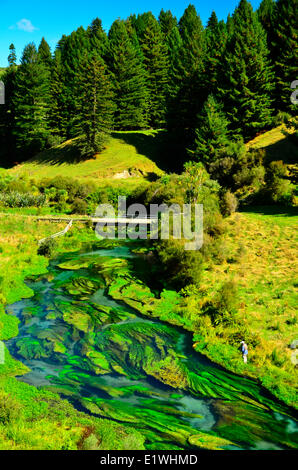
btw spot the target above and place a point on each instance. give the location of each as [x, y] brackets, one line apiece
[244, 350]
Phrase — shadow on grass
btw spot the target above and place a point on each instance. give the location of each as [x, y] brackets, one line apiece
[285, 150]
[67, 153]
[158, 147]
[271, 210]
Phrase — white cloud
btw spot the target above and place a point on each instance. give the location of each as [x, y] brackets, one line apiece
[24, 25]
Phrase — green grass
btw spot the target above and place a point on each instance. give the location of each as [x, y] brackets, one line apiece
[127, 156]
[276, 144]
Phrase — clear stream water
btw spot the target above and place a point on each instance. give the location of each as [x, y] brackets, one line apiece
[112, 362]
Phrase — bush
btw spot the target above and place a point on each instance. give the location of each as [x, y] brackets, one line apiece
[228, 203]
[16, 199]
[222, 309]
[179, 267]
[48, 248]
[79, 206]
[9, 408]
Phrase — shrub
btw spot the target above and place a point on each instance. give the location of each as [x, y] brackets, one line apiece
[48, 248]
[179, 267]
[16, 199]
[9, 408]
[228, 203]
[79, 206]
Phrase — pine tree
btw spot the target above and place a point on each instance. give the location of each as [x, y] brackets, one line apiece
[156, 64]
[216, 36]
[188, 74]
[285, 52]
[128, 78]
[94, 111]
[167, 22]
[212, 135]
[247, 80]
[98, 38]
[174, 43]
[7, 112]
[12, 58]
[73, 50]
[58, 111]
[31, 103]
[44, 53]
[266, 15]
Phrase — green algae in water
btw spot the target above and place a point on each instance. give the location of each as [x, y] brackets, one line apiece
[115, 363]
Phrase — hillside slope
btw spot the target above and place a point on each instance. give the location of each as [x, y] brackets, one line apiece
[127, 155]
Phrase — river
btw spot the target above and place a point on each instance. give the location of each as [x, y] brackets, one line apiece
[111, 361]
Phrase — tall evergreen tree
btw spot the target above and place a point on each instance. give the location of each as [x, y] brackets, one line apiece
[58, 116]
[167, 22]
[156, 64]
[12, 58]
[266, 14]
[7, 112]
[98, 38]
[285, 52]
[216, 36]
[44, 53]
[31, 103]
[188, 73]
[212, 135]
[73, 51]
[128, 78]
[248, 79]
[94, 111]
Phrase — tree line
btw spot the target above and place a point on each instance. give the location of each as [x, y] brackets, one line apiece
[211, 87]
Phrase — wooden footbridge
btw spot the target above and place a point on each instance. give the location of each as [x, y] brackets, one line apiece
[95, 220]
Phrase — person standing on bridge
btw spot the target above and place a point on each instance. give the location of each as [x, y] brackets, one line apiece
[244, 350]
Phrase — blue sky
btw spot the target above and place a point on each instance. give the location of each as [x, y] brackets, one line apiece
[25, 21]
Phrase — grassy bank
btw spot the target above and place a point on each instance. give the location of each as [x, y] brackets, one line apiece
[127, 155]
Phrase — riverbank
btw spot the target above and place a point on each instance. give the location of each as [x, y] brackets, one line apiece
[20, 237]
[33, 419]
[248, 293]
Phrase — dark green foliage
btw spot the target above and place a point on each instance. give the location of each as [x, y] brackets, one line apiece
[285, 51]
[97, 37]
[167, 22]
[94, 111]
[79, 206]
[248, 81]
[161, 73]
[44, 53]
[7, 113]
[48, 248]
[266, 14]
[212, 135]
[128, 79]
[12, 58]
[178, 267]
[155, 56]
[73, 51]
[31, 103]
[189, 97]
[216, 36]
[57, 111]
